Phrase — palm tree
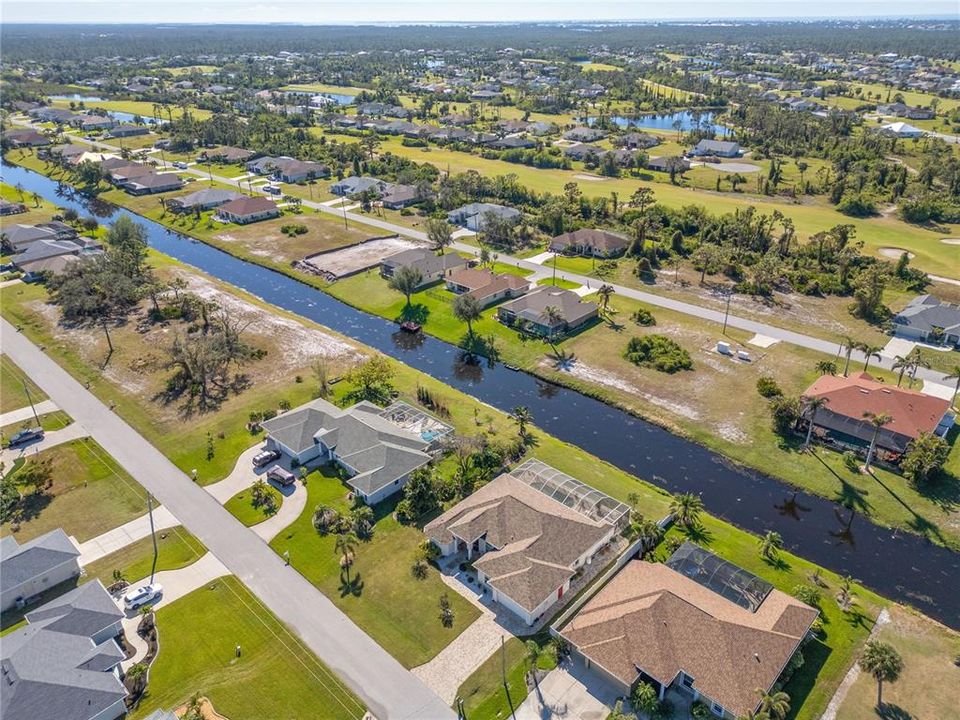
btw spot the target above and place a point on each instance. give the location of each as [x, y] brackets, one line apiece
[954, 375]
[686, 509]
[848, 346]
[883, 662]
[812, 405]
[534, 652]
[827, 367]
[648, 532]
[869, 352]
[774, 705]
[604, 294]
[345, 547]
[845, 597]
[917, 361]
[522, 416]
[878, 420]
[466, 308]
[770, 545]
[902, 364]
[644, 698]
[551, 316]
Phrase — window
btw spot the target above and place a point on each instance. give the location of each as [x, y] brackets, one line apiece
[686, 680]
[717, 709]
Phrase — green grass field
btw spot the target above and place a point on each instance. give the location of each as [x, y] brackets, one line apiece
[90, 494]
[14, 386]
[137, 107]
[176, 548]
[242, 508]
[276, 676]
[56, 420]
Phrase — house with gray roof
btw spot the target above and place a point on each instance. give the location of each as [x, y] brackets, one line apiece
[29, 569]
[65, 663]
[206, 199]
[717, 148]
[377, 453]
[929, 319]
[475, 215]
[548, 311]
[432, 267]
[356, 184]
[19, 237]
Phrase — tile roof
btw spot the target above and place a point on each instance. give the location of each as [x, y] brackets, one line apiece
[651, 618]
[248, 206]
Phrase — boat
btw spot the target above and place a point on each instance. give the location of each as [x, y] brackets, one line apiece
[410, 326]
[511, 367]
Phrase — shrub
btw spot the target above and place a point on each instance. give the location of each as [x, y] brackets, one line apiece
[644, 317]
[658, 352]
[809, 595]
[767, 387]
[785, 412]
[851, 461]
[699, 711]
[293, 229]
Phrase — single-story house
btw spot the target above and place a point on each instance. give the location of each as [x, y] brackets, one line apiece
[848, 398]
[584, 152]
[202, 200]
[18, 237]
[226, 154]
[65, 663]
[697, 624]
[356, 184]
[153, 183]
[377, 453]
[11, 208]
[287, 169]
[397, 196]
[245, 210]
[598, 243]
[636, 140]
[529, 312]
[35, 566]
[929, 319]
[718, 148]
[92, 122]
[25, 138]
[51, 114]
[526, 545]
[663, 164]
[513, 142]
[66, 152]
[584, 134]
[474, 215]
[901, 129]
[44, 250]
[119, 174]
[122, 131]
[432, 267]
[486, 286]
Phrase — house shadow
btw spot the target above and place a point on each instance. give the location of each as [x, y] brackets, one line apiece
[815, 656]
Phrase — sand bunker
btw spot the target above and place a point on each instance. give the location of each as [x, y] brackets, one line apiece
[895, 253]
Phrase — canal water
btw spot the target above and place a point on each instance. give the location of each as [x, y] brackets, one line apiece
[899, 565]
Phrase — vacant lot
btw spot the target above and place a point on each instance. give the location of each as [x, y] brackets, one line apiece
[90, 494]
[176, 548]
[276, 676]
[14, 386]
[356, 258]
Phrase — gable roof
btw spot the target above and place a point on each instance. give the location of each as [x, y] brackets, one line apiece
[537, 538]
[926, 312]
[653, 619]
[597, 239]
[42, 249]
[243, 206]
[912, 411]
[208, 196]
[425, 260]
[22, 563]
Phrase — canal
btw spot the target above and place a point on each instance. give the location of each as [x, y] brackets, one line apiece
[898, 565]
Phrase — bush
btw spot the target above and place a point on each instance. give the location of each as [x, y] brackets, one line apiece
[644, 317]
[785, 412]
[293, 229]
[699, 711]
[851, 461]
[857, 205]
[767, 387]
[658, 352]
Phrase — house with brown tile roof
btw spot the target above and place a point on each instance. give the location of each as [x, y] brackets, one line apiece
[671, 626]
[525, 545]
[530, 312]
[486, 286]
[248, 209]
[587, 241]
[850, 398]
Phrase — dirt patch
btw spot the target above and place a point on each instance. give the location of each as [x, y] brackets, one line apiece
[894, 253]
[357, 258]
[204, 706]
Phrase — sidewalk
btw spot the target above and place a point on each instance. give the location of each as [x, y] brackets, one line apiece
[26, 413]
[120, 537]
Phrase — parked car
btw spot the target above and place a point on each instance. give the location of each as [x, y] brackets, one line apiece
[281, 476]
[25, 436]
[142, 595]
[180, 165]
[267, 456]
[272, 189]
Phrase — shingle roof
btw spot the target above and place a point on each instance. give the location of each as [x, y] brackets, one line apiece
[206, 197]
[926, 312]
[248, 206]
[425, 260]
[602, 240]
[537, 538]
[21, 563]
[85, 610]
[651, 618]
[532, 305]
[42, 249]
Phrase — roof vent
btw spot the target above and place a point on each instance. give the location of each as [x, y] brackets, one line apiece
[864, 391]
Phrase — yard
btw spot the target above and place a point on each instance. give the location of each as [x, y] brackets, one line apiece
[385, 600]
[242, 506]
[90, 494]
[14, 386]
[56, 420]
[276, 676]
[176, 548]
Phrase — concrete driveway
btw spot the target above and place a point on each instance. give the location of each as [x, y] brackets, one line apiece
[571, 692]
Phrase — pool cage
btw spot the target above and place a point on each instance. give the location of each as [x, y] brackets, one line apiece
[573, 493]
[722, 577]
[417, 421]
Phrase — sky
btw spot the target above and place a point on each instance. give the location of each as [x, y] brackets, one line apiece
[320, 12]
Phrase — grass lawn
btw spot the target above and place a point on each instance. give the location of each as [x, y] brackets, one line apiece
[276, 676]
[90, 494]
[242, 508]
[56, 420]
[924, 689]
[386, 601]
[559, 282]
[324, 88]
[13, 396]
[599, 67]
[137, 107]
[176, 548]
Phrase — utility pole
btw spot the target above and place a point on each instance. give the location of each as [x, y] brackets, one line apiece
[30, 400]
[726, 313]
[153, 534]
[343, 206]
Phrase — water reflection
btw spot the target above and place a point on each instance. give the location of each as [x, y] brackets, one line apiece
[791, 507]
[407, 341]
[468, 368]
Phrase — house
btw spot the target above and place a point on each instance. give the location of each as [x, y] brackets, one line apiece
[202, 200]
[377, 453]
[636, 140]
[663, 164]
[119, 174]
[848, 398]
[42, 250]
[92, 122]
[287, 169]
[29, 569]
[901, 130]
[590, 242]
[525, 544]
[432, 267]
[486, 286]
[696, 624]
[529, 312]
[475, 215]
[929, 319]
[584, 134]
[245, 210]
[11, 208]
[584, 152]
[67, 153]
[122, 131]
[152, 183]
[357, 184]
[65, 663]
[717, 148]
[397, 196]
[226, 155]
[17, 238]
[513, 142]
[24, 138]
[51, 114]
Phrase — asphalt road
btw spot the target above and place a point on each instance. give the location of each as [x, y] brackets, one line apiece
[386, 687]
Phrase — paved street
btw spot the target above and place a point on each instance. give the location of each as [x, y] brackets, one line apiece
[388, 689]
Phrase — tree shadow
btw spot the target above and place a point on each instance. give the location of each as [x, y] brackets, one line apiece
[892, 711]
[699, 534]
[416, 312]
[353, 586]
[791, 507]
[31, 506]
[777, 563]
[477, 345]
